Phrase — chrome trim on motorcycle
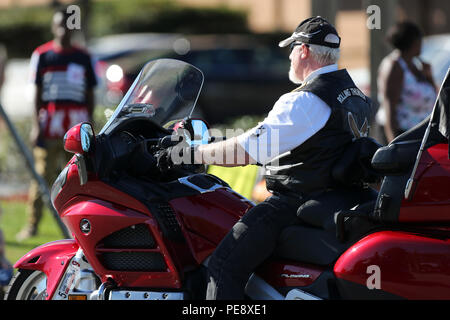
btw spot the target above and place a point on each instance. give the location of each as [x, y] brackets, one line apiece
[144, 295]
[100, 293]
[258, 289]
[82, 171]
[186, 182]
[297, 294]
[79, 278]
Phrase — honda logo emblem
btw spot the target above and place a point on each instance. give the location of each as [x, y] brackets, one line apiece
[85, 226]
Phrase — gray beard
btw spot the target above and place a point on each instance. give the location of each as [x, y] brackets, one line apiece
[293, 77]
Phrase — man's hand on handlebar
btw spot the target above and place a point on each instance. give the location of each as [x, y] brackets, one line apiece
[175, 156]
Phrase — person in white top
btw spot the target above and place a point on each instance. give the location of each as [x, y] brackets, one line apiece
[406, 89]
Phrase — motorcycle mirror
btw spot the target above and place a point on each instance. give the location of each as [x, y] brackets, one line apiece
[79, 139]
[198, 132]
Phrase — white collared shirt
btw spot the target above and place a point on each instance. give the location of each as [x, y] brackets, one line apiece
[326, 69]
[294, 118]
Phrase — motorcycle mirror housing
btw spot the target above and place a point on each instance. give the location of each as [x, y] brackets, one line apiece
[79, 139]
[198, 131]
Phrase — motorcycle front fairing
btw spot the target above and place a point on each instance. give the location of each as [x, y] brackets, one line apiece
[114, 199]
[165, 90]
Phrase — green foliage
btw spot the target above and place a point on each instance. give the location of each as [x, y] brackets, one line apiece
[23, 29]
[116, 16]
[35, 16]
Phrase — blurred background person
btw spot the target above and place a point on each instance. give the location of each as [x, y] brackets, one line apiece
[3, 60]
[64, 78]
[6, 270]
[406, 90]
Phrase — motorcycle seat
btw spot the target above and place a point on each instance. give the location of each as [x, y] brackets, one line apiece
[319, 211]
[308, 244]
[313, 240]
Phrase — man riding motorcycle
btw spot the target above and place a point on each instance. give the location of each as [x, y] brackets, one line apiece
[307, 132]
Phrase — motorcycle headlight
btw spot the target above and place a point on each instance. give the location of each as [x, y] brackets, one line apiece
[59, 184]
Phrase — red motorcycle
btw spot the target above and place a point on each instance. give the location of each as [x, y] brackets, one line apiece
[143, 234]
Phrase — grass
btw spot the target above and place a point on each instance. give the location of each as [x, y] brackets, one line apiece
[12, 221]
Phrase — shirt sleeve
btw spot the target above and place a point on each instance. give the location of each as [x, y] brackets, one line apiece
[295, 118]
[35, 75]
[91, 76]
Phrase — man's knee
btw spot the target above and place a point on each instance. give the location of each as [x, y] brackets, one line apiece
[238, 230]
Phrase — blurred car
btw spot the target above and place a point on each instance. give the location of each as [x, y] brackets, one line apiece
[243, 75]
[436, 51]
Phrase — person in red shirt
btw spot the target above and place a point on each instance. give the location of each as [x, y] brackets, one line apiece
[64, 78]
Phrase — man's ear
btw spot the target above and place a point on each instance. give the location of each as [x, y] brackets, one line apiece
[305, 52]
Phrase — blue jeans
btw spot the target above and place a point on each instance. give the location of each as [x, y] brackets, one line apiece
[250, 242]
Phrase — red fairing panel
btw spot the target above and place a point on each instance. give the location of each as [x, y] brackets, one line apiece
[411, 266]
[95, 189]
[431, 198]
[52, 259]
[208, 217]
[106, 218]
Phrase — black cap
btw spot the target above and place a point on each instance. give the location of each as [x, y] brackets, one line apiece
[315, 30]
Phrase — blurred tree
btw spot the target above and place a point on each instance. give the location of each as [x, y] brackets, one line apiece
[163, 16]
[24, 28]
[86, 7]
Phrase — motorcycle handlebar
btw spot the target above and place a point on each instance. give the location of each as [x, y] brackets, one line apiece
[169, 141]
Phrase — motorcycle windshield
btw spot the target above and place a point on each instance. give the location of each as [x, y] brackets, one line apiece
[164, 90]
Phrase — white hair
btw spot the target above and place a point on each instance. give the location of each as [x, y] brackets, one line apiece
[324, 55]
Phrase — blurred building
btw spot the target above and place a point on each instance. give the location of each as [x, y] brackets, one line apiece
[362, 48]
[350, 19]
[285, 15]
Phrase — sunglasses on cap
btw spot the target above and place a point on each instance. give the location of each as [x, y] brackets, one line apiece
[293, 44]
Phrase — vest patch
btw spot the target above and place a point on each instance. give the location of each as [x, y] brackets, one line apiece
[351, 92]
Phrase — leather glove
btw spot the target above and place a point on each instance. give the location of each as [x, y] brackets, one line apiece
[176, 155]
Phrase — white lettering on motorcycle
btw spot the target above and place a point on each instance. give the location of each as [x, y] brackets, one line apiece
[295, 276]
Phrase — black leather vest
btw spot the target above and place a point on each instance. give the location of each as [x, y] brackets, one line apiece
[307, 168]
